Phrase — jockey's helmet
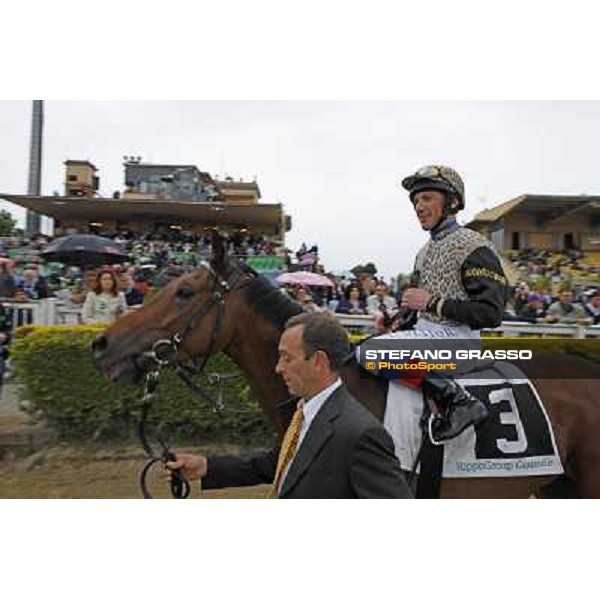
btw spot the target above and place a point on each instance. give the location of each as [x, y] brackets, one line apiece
[437, 177]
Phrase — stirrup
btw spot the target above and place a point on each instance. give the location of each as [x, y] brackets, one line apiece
[430, 430]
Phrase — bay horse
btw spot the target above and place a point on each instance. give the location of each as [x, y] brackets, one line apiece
[226, 307]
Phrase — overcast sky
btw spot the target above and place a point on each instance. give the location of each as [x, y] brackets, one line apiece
[336, 166]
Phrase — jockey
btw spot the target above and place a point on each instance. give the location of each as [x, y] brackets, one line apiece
[460, 288]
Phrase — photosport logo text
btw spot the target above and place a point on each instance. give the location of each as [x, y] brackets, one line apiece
[386, 360]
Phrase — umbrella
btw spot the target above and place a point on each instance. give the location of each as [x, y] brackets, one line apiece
[84, 250]
[304, 278]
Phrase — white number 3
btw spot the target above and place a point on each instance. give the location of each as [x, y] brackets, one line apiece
[510, 417]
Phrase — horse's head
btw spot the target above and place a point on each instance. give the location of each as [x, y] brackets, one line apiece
[186, 317]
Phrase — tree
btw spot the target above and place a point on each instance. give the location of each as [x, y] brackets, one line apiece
[7, 222]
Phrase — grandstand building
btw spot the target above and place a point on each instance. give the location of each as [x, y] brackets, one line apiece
[147, 181]
[157, 198]
[556, 223]
[80, 178]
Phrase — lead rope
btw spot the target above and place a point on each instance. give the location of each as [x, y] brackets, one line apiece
[180, 486]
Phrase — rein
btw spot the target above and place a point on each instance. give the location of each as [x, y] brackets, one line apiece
[180, 486]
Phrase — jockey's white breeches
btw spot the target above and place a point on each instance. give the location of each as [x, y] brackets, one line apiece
[428, 330]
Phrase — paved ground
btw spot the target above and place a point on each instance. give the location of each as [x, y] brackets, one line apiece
[96, 471]
[20, 436]
[34, 465]
[9, 398]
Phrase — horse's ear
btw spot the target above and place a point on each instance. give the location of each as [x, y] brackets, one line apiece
[219, 252]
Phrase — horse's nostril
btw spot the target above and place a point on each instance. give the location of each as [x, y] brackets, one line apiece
[99, 345]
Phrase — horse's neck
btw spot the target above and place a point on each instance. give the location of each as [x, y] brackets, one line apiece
[256, 355]
[369, 391]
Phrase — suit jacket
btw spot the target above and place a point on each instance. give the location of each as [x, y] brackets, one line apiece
[134, 297]
[346, 453]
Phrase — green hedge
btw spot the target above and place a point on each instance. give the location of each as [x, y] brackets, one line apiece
[60, 382]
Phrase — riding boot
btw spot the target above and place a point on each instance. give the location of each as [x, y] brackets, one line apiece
[463, 409]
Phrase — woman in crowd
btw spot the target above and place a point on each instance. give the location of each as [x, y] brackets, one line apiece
[303, 297]
[521, 297]
[105, 304]
[353, 302]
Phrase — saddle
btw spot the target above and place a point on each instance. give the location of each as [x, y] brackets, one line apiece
[515, 440]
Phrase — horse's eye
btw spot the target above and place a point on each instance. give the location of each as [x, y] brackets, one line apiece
[185, 293]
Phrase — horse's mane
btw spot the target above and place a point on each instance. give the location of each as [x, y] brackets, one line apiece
[270, 302]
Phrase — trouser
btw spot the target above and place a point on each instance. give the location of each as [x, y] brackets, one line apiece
[460, 408]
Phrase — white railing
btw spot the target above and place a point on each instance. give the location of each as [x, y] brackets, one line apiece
[517, 328]
[357, 323]
[364, 324]
[49, 311]
[22, 313]
[52, 311]
[26, 312]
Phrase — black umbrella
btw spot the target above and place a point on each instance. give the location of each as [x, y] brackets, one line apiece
[84, 250]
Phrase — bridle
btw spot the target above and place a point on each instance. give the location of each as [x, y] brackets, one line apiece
[165, 353]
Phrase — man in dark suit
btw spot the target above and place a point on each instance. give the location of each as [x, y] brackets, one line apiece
[33, 285]
[334, 447]
[133, 296]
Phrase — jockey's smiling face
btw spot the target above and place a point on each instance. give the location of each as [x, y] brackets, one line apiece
[429, 206]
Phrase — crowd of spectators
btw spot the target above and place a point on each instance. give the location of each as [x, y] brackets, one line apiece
[544, 293]
[554, 287]
[350, 295]
[533, 265]
[25, 276]
[579, 305]
[189, 248]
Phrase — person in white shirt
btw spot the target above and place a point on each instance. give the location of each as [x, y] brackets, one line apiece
[381, 302]
[105, 304]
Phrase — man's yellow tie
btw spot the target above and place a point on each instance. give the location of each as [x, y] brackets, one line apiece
[288, 448]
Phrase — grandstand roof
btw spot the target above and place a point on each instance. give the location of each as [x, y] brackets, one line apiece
[265, 216]
[546, 207]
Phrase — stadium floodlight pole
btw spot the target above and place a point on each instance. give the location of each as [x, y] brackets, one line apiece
[32, 219]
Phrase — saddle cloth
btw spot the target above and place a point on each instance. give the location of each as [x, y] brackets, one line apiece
[515, 441]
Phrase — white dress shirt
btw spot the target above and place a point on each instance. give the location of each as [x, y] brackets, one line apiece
[310, 408]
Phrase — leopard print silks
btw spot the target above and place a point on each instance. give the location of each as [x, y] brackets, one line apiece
[440, 262]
